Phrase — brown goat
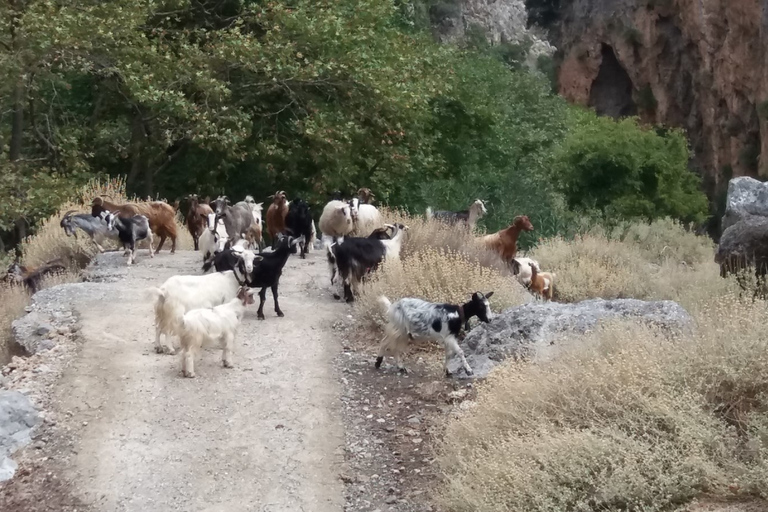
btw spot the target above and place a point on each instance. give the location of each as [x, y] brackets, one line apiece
[365, 195]
[161, 216]
[197, 219]
[504, 242]
[542, 283]
[30, 277]
[276, 215]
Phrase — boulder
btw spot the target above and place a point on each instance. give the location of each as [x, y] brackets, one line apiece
[524, 331]
[746, 196]
[18, 417]
[744, 244]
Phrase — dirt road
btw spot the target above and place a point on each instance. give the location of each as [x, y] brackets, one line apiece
[264, 436]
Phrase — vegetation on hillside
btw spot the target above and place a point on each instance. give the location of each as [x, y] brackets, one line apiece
[305, 96]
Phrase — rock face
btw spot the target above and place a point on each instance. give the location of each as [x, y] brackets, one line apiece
[744, 244]
[746, 196]
[700, 65]
[17, 420]
[525, 330]
[502, 21]
[51, 316]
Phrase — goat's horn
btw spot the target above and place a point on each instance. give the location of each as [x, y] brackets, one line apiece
[68, 213]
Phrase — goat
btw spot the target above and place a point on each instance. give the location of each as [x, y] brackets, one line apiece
[31, 277]
[161, 216]
[376, 234]
[130, 230]
[197, 219]
[276, 214]
[504, 241]
[179, 294]
[267, 273]
[255, 231]
[542, 283]
[469, 216]
[522, 271]
[365, 196]
[237, 219]
[410, 318]
[366, 217]
[298, 223]
[356, 257]
[233, 257]
[94, 227]
[212, 326]
[213, 239]
[336, 220]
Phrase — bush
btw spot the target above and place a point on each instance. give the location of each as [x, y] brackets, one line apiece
[644, 261]
[626, 171]
[625, 418]
[439, 263]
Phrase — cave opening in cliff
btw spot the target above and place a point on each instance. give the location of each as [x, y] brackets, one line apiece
[611, 92]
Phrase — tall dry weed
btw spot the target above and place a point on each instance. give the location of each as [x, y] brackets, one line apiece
[625, 418]
[13, 300]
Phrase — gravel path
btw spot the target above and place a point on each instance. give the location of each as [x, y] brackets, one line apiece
[264, 436]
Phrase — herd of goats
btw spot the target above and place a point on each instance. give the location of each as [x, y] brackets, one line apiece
[205, 309]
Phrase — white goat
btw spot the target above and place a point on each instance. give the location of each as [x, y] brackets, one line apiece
[204, 327]
[366, 217]
[179, 294]
[212, 240]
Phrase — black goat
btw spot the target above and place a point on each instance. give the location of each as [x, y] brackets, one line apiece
[267, 273]
[357, 257]
[298, 223]
[130, 230]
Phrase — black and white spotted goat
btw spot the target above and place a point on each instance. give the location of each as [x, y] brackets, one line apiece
[130, 230]
[409, 319]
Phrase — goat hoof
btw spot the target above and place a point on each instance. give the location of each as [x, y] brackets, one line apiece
[448, 374]
[228, 365]
[190, 375]
[159, 349]
[470, 372]
[261, 317]
[378, 362]
[403, 371]
[336, 296]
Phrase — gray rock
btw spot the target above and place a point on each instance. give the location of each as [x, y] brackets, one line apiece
[18, 418]
[744, 244]
[529, 330]
[746, 196]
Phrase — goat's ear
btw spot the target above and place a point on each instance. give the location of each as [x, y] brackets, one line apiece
[259, 204]
[489, 295]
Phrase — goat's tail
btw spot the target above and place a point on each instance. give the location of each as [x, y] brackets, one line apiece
[155, 294]
[385, 303]
[429, 212]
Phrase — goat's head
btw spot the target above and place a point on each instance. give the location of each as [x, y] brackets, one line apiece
[210, 221]
[247, 257]
[220, 206]
[354, 206]
[365, 195]
[245, 294]
[482, 306]
[108, 217]
[522, 222]
[66, 223]
[336, 195]
[97, 206]
[478, 207]
[278, 197]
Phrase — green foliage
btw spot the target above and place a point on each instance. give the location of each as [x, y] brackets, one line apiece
[625, 171]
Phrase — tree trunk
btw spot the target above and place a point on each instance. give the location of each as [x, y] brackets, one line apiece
[138, 163]
[17, 126]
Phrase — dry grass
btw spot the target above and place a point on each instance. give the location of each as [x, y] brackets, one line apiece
[626, 419]
[13, 300]
[657, 261]
[439, 263]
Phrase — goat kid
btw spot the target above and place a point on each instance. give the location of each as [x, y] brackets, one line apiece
[130, 230]
[409, 319]
[521, 269]
[542, 283]
[215, 326]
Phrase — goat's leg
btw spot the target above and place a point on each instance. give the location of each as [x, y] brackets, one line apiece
[229, 345]
[93, 239]
[262, 300]
[277, 305]
[173, 245]
[188, 364]
[452, 347]
[162, 241]
[149, 240]
[158, 344]
[196, 241]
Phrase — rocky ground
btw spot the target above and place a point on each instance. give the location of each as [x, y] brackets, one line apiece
[303, 422]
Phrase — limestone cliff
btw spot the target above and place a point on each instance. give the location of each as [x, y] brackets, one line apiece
[696, 64]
